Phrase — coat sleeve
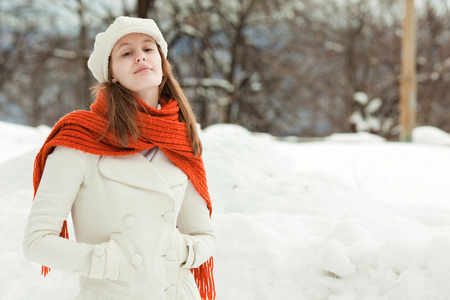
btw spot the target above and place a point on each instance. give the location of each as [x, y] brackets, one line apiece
[195, 226]
[63, 175]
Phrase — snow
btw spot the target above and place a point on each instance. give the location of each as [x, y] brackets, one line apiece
[349, 217]
[18, 139]
[431, 135]
[361, 98]
[368, 121]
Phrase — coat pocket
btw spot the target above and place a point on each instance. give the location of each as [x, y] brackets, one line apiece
[189, 289]
[118, 244]
[103, 289]
[182, 248]
[110, 260]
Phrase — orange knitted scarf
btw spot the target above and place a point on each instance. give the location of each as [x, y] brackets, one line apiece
[82, 130]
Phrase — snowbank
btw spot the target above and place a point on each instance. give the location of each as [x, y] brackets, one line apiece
[320, 220]
[18, 139]
[430, 135]
[355, 137]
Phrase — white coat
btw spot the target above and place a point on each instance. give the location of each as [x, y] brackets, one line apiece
[140, 225]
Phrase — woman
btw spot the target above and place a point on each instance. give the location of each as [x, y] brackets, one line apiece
[130, 172]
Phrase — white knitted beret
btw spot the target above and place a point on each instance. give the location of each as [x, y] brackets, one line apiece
[105, 41]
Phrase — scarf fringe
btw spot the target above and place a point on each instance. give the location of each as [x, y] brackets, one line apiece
[205, 280]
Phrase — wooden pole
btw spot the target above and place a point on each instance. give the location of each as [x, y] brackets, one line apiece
[408, 84]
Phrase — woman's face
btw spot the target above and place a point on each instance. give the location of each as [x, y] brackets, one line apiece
[136, 64]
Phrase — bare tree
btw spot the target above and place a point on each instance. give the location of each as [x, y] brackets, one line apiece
[434, 66]
[145, 8]
[45, 74]
[286, 67]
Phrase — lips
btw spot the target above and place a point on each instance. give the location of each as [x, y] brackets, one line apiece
[142, 69]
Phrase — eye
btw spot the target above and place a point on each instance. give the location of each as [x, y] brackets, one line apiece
[148, 49]
[126, 54]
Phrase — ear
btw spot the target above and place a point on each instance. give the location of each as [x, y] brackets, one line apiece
[113, 80]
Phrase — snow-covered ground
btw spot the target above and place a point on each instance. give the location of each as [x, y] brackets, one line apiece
[348, 218]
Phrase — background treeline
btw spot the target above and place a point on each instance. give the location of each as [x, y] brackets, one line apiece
[287, 67]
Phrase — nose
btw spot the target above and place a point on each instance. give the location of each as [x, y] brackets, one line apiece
[140, 57]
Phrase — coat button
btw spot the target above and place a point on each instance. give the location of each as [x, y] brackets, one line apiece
[171, 255]
[99, 250]
[198, 249]
[136, 259]
[168, 216]
[128, 221]
[171, 290]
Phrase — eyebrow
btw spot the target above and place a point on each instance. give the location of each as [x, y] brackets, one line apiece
[145, 41]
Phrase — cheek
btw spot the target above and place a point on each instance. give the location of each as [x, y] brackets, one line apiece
[160, 68]
[157, 62]
[117, 69]
[113, 69]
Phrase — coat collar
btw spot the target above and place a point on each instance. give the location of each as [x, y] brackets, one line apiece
[159, 175]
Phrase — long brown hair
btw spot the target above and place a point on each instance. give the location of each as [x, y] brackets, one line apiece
[122, 104]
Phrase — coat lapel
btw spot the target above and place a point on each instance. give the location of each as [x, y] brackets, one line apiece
[135, 170]
[171, 173]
